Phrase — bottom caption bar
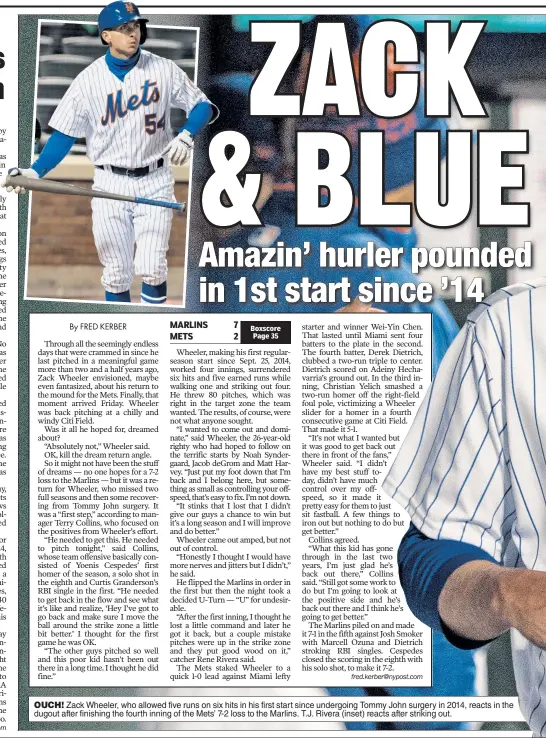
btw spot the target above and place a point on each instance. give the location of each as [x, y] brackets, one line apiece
[195, 709]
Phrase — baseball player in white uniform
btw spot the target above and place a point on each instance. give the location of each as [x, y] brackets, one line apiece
[472, 475]
[121, 104]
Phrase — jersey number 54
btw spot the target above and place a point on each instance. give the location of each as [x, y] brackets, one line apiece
[151, 125]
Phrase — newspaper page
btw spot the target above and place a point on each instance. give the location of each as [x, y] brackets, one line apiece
[270, 295]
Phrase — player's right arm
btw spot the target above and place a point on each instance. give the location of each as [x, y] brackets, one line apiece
[56, 148]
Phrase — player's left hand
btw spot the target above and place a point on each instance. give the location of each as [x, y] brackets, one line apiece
[180, 148]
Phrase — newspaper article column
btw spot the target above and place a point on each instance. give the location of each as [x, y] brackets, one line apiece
[205, 507]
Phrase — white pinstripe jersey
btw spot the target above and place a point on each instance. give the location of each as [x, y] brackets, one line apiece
[473, 465]
[126, 124]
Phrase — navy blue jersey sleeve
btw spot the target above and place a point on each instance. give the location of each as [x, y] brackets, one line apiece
[425, 565]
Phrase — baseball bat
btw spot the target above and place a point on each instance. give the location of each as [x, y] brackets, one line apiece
[60, 188]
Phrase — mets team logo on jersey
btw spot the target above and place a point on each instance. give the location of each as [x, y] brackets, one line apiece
[114, 102]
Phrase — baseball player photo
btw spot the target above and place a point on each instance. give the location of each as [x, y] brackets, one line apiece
[120, 107]
[471, 473]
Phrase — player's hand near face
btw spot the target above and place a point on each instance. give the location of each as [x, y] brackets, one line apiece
[481, 600]
[19, 190]
[179, 150]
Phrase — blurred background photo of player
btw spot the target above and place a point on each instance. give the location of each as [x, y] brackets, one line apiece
[454, 671]
[121, 105]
